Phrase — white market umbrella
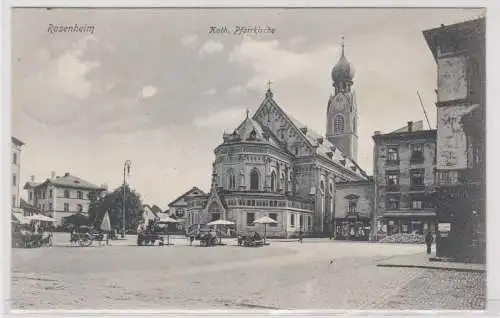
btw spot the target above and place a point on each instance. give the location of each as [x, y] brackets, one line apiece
[40, 217]
[106, 223]
[265, 220]
[165, 219]
[221, 222]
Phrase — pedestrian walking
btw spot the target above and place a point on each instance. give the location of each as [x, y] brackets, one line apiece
[428, 240]
[300, 237]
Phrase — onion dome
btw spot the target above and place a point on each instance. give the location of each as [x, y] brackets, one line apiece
[343, 71]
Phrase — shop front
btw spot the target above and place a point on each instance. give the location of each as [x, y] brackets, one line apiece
[353, 228]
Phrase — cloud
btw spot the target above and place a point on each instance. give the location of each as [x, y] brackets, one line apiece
[270, 61]
[224, 118]
[189, 40]
[68, 74]
[235, 90]
[148, 91]
[296, 41]
[211, 92]
[211, 47]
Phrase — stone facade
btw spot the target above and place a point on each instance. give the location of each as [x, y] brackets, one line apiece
[272, 165]
[404, 168]
[460, 54]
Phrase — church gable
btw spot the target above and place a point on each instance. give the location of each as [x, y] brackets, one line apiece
[271, 116]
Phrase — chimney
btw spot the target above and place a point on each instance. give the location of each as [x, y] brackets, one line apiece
[53, 175]
[32, 178]
[410, 126]
[66, 174]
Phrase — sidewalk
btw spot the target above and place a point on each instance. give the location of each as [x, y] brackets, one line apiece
[430, 262]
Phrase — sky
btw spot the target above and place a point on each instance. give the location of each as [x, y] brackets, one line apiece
[155, 87]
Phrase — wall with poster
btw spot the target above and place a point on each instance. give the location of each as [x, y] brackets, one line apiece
[452, 78]
[451, 139]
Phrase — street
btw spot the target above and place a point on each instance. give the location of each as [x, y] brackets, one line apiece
[318, 274]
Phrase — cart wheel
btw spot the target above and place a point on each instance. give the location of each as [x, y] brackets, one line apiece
[85, 241]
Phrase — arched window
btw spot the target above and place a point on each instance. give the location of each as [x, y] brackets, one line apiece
[254, 180]
[339, 124]
[231, 180]
[273, 181]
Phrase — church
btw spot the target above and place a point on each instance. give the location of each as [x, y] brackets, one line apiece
[273, 165]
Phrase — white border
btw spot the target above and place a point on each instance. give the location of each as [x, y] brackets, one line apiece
[493, 169]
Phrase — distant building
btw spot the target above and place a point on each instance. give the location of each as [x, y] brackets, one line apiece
[16, 146]
[178, 208]
[404, 164]
[62, 196]
[354, 209]
[459, 50]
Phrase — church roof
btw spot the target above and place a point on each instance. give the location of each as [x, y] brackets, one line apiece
[252, 131]
[325, 148]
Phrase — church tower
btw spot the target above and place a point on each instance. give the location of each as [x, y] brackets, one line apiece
[342, 113]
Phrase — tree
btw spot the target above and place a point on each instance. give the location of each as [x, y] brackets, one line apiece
[113, 203]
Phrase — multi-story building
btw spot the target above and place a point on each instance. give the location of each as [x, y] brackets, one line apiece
[16, 146]
[459, 50]
[62, 196]
[404, 162]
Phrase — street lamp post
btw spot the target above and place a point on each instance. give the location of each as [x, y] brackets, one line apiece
[126, 172]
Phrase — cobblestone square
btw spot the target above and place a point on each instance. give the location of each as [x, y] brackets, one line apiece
[285, 275]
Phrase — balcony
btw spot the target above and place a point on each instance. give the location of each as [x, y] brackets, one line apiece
[392, 162]
[393, 188]
[417, 158]
[459, 177]
[417, 187]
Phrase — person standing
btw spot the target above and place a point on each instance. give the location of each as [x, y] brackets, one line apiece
[428, 241]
